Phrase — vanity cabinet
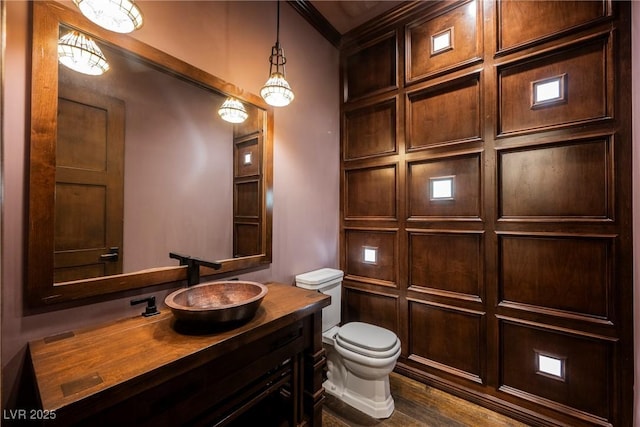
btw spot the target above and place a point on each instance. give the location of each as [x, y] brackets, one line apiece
[148, 371]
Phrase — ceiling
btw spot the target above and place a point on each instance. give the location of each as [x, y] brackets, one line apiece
[345, 15]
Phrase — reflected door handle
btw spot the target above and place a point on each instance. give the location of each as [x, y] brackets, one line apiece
[112, 256]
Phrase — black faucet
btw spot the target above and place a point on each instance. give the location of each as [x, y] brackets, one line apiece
[151, 309]
[193, 266]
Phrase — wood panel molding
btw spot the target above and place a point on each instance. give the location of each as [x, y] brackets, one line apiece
[371, 68]
[558, 273]
[444, 43]
[517, 29]
[381, 24]
[522, 187]
[376, 308]
[465, 203]
[371, 193]
[584, 388]
[247, 238]
[447, 263]
[587, 93]
[430, 341]
[247, 156]
[370, 130]
[430, 117]
[382, 268]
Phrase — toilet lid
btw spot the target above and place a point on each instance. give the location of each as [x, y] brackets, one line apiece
[366, 336]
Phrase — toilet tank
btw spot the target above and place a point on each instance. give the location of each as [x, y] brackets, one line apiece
[329, 282]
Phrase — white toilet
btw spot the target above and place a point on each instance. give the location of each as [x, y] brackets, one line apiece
[360, 356]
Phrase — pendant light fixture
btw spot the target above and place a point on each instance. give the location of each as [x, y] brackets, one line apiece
[233, 111]
[276, 91]
[81, 53]
[121, 16]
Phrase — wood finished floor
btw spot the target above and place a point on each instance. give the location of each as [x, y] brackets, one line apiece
[416, 405]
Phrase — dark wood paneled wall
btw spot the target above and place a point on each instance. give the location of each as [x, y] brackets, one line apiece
[528, 261]
[247, 184]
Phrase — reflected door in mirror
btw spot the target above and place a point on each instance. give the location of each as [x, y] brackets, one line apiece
[89, 185]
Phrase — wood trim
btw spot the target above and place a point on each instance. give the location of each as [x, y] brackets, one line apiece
[317, 20]
[607, 14]
[554, 405]
[502, 406]
[391, 18]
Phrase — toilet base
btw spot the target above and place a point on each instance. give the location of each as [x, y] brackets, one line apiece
[379, 405]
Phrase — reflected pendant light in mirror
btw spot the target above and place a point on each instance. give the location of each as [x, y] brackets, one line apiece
[276, 91]
[82, 54]
[233, 111]
[121, 16]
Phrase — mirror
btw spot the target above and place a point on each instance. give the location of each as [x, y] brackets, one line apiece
[130, 165]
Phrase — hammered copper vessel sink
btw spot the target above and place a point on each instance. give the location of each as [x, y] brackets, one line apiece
[220, 302]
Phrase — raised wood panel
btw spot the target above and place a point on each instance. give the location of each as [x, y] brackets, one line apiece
[444, 114]
[446, 263]
[82, 133]
[563, 273]
[566, 180]
[463, 24]
[587, 388]
[246, 239]
[91, 231]
[247, 199]
[524, 22]
[370, 131]
[371, 192]
[586, 92]
[447, 338]
[466, 201]
[246, 155]
[384, 242]
[371, 307]
[371, 69]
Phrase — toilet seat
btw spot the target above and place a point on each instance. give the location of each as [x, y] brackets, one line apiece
[370, 361]
[368, 340]
[329, 336]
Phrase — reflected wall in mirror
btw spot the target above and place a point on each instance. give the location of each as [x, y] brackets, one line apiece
[136, 163]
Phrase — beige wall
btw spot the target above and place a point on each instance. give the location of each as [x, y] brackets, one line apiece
[233, 41]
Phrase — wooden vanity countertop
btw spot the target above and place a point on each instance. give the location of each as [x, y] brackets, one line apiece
[108, 363]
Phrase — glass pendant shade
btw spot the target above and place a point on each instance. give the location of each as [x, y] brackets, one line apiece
[121, 16]
[82, 54]
[233, 111]
[276, 91]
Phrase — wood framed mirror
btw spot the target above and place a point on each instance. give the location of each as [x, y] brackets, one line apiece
[185, 181]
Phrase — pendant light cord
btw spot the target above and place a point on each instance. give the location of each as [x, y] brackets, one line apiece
[278, 25]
